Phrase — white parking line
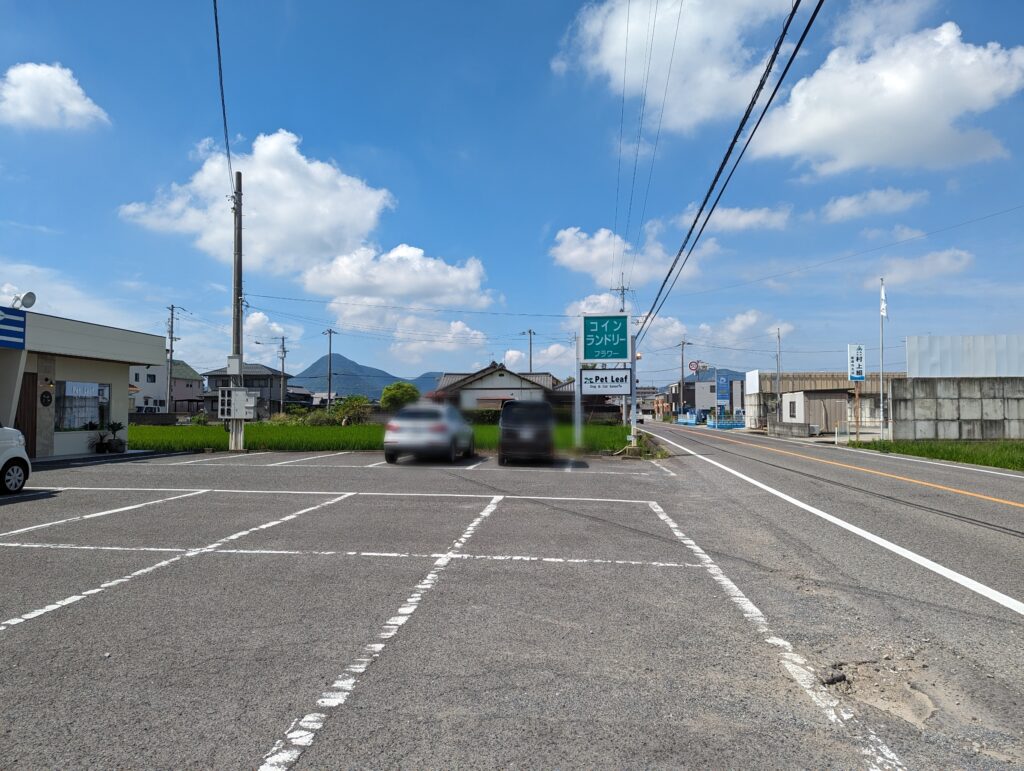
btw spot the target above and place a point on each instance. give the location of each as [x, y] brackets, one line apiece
[214, 458]
[164, 563]
[310, 457]
[88, 548]
[968, 583]
[470, 468]
[379, 463]
[795, 664]
[302, 731]
[100, 513]
[663, 468]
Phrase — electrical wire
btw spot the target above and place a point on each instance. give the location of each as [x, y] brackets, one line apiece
[417, 308]
[655, 307]
[223, 103]
[764, 111]
[657, 134]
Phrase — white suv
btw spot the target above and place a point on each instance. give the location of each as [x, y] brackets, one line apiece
[14, 463]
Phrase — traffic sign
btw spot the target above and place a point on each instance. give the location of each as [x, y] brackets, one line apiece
[694, 366]
[606, 338]
[12, 328]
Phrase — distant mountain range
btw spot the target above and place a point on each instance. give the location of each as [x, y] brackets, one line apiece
[351, 377]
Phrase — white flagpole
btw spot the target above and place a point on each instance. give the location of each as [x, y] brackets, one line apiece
[882, 311]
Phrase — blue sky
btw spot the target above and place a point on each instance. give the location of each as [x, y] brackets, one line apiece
[464, 156]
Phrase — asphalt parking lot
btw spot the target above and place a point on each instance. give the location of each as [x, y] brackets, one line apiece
[330, 610]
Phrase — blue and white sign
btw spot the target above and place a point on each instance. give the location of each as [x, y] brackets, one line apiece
[722, 390]
[855, 358]
[12, 328]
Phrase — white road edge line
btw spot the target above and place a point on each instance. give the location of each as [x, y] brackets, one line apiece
[302, 731]
[5, 625]
[309, 457]
[796, 665]
[470, 468]
[100, 513]
[22, 545]
[968, 583]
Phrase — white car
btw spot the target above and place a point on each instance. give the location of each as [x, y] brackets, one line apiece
[428, 429]
[14, 463]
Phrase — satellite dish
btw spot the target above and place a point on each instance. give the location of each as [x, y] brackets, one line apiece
[28, 299]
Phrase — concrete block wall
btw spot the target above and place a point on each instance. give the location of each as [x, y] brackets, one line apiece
[958, 408]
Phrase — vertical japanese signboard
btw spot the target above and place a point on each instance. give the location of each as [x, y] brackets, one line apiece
[855, 362]
[606, 339]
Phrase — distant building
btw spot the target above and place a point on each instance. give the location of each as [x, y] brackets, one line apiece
[256, 377]
[492, 386]
[149, 388]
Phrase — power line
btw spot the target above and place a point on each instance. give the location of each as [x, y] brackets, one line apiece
[652, 25]
[223, 103]
[753, 131]
[812, 265]
[657, 134]
[622, 122]
[418, 308]
[655, 307]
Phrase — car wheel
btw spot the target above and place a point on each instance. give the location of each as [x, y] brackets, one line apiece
[453, 451]
[502, 459]
[14, 477]
[471, 449]
[391, 457]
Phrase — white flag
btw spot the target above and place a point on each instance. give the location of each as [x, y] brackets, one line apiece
[884, 308]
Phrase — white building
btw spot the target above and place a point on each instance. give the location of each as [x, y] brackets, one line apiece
[492, 386]
[151, 383]
[62, 380]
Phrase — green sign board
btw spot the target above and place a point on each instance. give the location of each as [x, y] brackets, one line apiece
[606, 338]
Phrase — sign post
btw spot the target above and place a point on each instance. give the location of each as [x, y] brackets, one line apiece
[855, 372]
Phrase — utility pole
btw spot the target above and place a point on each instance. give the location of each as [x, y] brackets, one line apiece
[682, 372]
[621, 289]
[883, 313]
[330, 365]
[778, 375]
[531, 333]
[170, 356]
[237, 425]
[577, 406]
[282, 352]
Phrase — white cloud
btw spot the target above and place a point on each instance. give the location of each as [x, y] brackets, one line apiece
[897, 233]
[416, 336]
[298, 211]
[743, 329]
[888, 201]
[732, 219]
[513, 358]
[402, 274]
[715, 67]
[900, 103]
[259, 326]
[921, 270]
[604, 256]
[593, 303]
[46, 96]
[868, 21]
[57, 294]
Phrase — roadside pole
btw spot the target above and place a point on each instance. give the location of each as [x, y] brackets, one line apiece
[632, 391]
[577, 408]
[237, 425]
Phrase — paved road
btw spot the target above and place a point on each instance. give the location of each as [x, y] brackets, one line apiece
[329, 610]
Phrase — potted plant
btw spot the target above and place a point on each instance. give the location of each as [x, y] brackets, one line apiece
[114, 442]
[99, 442]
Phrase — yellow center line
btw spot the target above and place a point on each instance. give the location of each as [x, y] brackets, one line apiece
[911, 480]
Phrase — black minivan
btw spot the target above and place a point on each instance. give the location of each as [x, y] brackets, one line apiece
[526, 431]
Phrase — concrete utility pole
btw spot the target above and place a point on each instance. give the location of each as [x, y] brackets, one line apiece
[237, 425]
[682, 372]
[531, 333]
[632, 391]
[282, 352]
[778, 375]
[170, 356]
[621, 289]
[577, 406]
[330, 365]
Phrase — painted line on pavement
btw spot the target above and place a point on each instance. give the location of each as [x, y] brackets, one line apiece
[664, 468]
[309, 457]
[378, 463]
[968, 583]
[886, 474]
[5, 625]
[301, 733]
[22, 545]
[475, 465]
[216, 458]
[100, 513]
[796, 665]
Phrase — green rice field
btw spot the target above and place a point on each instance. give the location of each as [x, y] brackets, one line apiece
[1001, 454]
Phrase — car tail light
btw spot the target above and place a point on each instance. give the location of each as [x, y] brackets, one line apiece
[392, 427]
[439, 428]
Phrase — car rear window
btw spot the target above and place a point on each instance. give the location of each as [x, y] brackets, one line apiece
[525, 412]
[418, 413]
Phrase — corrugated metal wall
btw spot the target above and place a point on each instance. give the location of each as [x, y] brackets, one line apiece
[965, 356]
